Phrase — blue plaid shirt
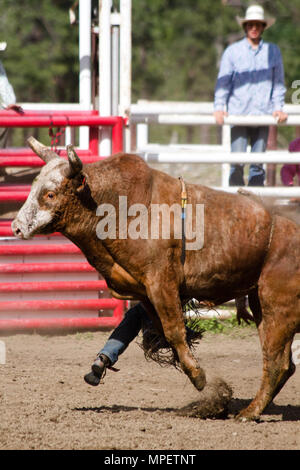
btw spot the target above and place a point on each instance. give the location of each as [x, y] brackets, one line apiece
[250, 81]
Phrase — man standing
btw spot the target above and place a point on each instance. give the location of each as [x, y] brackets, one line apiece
[250, 82]
[7, 101]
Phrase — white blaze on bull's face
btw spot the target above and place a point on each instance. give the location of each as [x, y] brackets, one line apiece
[39, 209]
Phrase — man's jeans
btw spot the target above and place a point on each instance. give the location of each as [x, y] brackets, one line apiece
[127, 330]
[257, 137]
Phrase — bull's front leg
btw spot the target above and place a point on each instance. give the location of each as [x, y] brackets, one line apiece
[164, 297]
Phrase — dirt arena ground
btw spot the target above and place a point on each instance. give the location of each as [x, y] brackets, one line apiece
[45, 404]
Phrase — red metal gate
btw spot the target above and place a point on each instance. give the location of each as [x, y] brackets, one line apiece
[46, 283]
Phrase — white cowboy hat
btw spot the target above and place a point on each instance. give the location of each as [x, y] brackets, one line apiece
[255, 13]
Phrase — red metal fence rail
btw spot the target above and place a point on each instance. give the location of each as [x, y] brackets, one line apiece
[17, 259]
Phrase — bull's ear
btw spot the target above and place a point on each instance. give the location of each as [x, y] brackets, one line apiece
[74, 161]
[45, 153]
[82, 183]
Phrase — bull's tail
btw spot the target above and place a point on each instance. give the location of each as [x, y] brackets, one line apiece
[157, 348]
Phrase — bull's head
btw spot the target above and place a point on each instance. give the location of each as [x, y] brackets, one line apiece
[47, 199]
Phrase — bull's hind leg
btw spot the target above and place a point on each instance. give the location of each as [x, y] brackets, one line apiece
[276, 311]
[166, 301]
[276, 336]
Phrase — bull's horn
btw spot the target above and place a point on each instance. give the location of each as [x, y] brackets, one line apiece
[75, 162]
[41, 150]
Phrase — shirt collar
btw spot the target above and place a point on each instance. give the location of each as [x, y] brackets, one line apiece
[260, 45]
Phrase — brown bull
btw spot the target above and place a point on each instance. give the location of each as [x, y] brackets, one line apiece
[244, 251]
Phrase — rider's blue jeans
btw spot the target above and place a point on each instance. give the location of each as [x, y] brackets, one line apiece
[125, 332]
[257, 138]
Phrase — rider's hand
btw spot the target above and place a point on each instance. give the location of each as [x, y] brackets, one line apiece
[280, 116]
[219, 117]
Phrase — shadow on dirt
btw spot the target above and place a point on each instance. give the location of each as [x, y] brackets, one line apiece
[288, 412]
[119, 408]
[212, 402]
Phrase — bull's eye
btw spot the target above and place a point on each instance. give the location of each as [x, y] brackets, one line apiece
[50, 195]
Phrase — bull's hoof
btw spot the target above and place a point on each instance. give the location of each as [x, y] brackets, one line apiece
[199, 381]
[246, 416]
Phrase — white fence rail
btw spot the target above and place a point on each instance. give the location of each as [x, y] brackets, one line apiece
[194, 119]
[179, 155]
[144, 113]
[182, 107]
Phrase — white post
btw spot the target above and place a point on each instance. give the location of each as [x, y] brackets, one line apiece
[125, 64]
[105, 72]
[115, 63]
[142, 136]
[226, 134]
[85, 65]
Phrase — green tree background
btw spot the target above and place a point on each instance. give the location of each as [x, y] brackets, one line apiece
[177, 46]
[41, 59]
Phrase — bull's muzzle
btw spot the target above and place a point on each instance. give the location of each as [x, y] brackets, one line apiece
[17, 230]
